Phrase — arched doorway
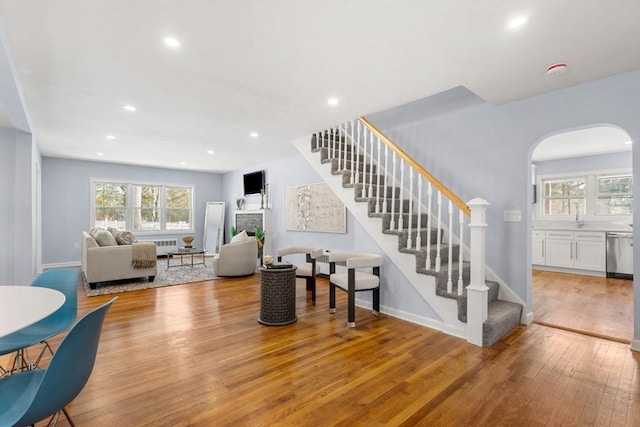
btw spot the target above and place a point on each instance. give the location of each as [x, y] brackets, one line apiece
[583, 188]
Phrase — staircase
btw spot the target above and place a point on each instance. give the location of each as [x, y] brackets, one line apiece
[423, 247]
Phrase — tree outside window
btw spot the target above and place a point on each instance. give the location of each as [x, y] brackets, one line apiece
[565, 197]
[178, 208]
[146, 208]
[111, 205]
[614, 195]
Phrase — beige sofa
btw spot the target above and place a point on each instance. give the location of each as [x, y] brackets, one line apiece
[106, 263]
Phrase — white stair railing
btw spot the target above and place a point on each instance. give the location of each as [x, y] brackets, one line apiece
[377, 151]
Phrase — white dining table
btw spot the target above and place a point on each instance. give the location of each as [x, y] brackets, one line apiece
[21, 306]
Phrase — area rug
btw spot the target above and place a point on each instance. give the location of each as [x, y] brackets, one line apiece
[166, 277]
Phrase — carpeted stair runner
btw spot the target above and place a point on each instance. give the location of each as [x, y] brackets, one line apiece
[503, 316]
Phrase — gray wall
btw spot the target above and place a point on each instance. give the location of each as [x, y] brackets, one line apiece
[585, 163]
[18, 163]
[398, 297]
[66, 200]
[485, 151]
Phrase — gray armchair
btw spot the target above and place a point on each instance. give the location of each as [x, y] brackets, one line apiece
[237, 258]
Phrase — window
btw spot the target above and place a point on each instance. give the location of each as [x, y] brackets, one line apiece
[593, 195]
[565, 197]
[142, 207]
[178, 208]
[110, 205]
[614, 195]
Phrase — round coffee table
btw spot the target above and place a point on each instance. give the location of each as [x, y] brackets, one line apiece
[277, 296]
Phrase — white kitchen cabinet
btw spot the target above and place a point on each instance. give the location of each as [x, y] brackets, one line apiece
[583, 250]
[559, 249]
[537, 247]
[590, 251]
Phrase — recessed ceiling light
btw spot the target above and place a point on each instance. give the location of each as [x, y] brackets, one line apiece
[110, 137]
[171, 42]
[253, 134]
[100, 153]
[129, 107]
[628, 142]
[518, 22]
[209, 151]
[333, 101]
[183, 163]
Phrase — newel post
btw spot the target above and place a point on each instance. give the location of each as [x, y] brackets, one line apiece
[477, 291]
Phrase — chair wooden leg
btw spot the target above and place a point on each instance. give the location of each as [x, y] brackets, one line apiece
[351, 315]
[311, 286]
[376, 301]
[332, 298]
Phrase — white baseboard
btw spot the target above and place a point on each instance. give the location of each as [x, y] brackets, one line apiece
[413, 318]
[527, 318]
[72, 264]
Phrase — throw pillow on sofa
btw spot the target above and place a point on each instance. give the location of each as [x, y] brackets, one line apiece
[123, 237]
[103, 237]
[240, 237]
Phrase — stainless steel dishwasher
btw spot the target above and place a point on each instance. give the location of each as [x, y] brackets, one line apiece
[620, 255]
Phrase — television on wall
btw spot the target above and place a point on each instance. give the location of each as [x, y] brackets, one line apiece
[253, 182]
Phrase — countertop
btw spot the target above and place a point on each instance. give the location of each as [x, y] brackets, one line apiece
[613, 228]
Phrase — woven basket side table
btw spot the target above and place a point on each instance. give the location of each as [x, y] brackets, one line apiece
[277, 296]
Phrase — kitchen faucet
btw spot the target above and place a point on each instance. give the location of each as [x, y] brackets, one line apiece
[579, 222]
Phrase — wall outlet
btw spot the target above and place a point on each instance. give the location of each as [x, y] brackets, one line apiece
[76, 245]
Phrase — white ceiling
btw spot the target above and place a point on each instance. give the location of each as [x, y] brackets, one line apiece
[583, 142]
[269, 67]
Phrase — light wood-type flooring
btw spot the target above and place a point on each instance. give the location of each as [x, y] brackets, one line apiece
[194, 355]
[593, 305]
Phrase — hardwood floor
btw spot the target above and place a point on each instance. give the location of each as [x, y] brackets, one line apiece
[194, 355]
[594, 305]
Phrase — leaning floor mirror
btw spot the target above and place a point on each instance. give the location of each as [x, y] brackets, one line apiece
[213, 227]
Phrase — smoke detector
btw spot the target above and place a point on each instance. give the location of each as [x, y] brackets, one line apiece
[555, 69]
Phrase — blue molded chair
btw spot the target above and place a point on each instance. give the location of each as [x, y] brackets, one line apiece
[31, 396]
[64, 280]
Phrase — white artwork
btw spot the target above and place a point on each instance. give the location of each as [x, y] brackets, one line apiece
[314, 207]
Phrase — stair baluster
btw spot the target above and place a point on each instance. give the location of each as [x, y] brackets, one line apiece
[372, 159]
[450, 251]
[461, 251]
[353, 156]
[357, 172]
[364, 162]
[379, 171]
[427, 263]
[410, 227]
[392, 225]
[419, 221]
[439, 232]
[386, 179]
[343, 147]
[401, 198]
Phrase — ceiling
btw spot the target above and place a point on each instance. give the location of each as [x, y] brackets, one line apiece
[270, 66]
[584, 142]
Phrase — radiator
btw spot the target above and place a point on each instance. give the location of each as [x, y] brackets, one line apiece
[163, 246]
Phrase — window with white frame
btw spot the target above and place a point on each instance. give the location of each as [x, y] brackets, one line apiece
[141, 208]
[614, 195]
[594, 194]
[564, 196]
